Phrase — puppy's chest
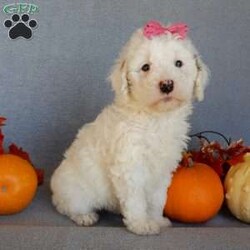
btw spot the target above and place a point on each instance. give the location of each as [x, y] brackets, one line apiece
[154, 143]
[158, 140]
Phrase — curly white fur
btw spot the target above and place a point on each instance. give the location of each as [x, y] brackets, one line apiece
[124, 160]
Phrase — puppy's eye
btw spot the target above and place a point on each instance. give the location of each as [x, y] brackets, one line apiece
[178, 63]
[145, 67]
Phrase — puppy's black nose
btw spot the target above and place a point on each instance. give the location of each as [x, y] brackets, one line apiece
[167, 86]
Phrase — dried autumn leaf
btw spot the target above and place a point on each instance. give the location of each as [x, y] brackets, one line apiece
[18, 151]
[40, 175]
[2, 120]
[211, 154]
[236, 152]
[1, 142]
[218, 157]
[15, 150]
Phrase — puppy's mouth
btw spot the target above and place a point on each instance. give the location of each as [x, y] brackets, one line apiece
[168, 100]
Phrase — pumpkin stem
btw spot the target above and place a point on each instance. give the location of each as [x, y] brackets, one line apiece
[200, 135]
[187, 160]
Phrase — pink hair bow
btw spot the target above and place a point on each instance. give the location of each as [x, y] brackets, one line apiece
[154, 28]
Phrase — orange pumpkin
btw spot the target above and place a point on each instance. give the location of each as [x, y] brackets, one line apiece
[18, 184]
[195, 194]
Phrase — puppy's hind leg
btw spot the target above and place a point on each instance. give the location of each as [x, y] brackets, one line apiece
[72, 199]
[76, 209]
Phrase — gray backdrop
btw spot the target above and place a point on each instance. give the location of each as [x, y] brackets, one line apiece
[55, 82]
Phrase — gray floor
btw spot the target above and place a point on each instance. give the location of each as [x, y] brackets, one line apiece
[41, 227]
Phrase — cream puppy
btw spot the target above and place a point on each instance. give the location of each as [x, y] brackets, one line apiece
[124, 160]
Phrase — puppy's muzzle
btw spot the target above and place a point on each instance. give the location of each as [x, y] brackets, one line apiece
[166, 86]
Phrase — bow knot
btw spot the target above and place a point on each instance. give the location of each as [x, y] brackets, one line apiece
[154, 28]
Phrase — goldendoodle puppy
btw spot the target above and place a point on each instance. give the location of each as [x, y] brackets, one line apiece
[124, 160]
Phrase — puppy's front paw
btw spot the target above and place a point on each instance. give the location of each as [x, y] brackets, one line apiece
[142, 227]
[85, 219]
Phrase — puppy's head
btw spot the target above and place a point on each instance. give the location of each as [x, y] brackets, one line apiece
[159, 69]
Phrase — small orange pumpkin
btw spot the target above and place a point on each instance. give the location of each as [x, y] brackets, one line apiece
[195, 194]
[18, 184]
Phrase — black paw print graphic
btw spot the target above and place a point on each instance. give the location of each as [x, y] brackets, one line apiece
[20, 27]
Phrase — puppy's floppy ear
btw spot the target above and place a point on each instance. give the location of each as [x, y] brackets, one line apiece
[201, 78]
[118, 77]
[119, 73]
